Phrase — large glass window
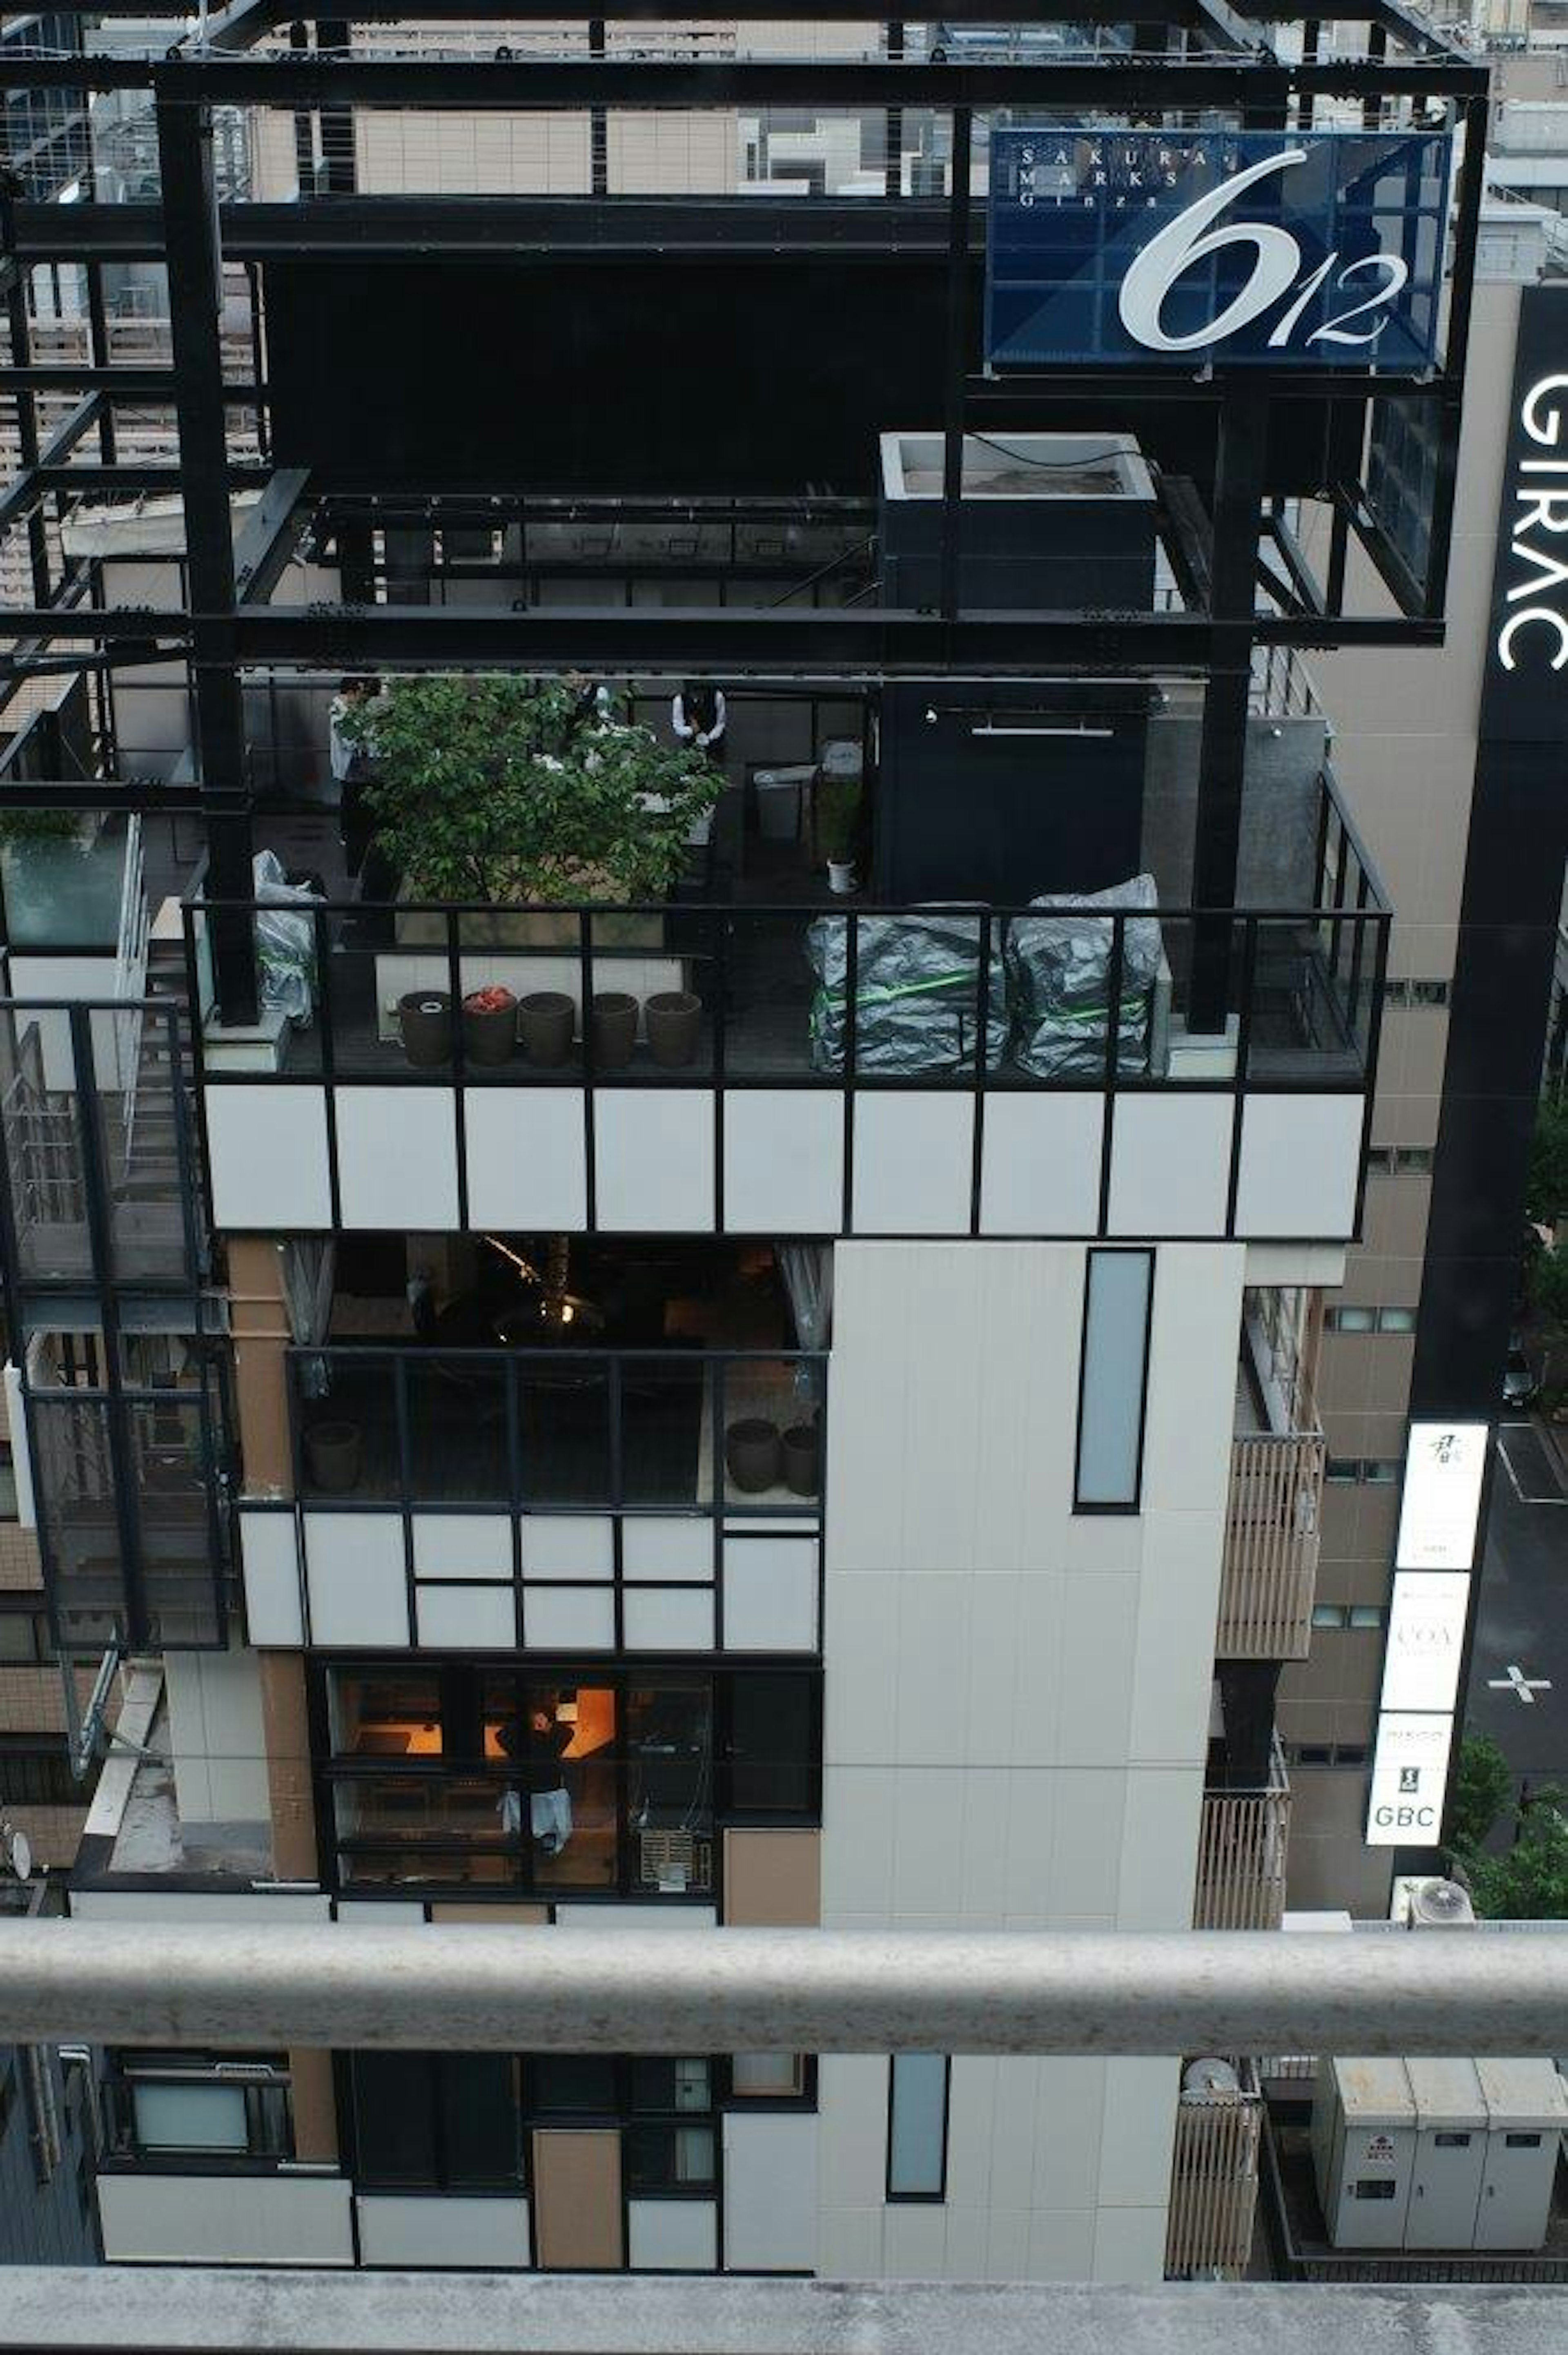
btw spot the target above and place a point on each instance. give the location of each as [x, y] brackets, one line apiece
[608, 1782]
[208, 2108]
[1113, 1379]
[450, 2119]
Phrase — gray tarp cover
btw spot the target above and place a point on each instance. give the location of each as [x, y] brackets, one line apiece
[917, 993]
[285, 941]
[1058, 974]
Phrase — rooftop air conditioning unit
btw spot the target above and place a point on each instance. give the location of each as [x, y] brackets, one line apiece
[1440, 1905]
[1201, 2081]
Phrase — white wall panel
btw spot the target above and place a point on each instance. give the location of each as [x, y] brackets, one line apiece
[769, 1594]
[462, 1545]
[668, 1545]
[467, 1618]
[1040, 1163]
[569, 1545]
[266, 1156]
[1170, 1163]
[783, 1161]
[648, 1918]
[449, 2231]
[355, 1578]
[672, 2235]
[527, 1158]
[653, 1160]
[1300, 1156]
[397, 1158]
[770, 2194]
[668, 1619]
[215, 1736]
[569, 1619]
[913, 1162]
[251, 1910]
[270, 1557]
[214, 2220]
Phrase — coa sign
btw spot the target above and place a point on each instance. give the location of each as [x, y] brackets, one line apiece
[1312, 250]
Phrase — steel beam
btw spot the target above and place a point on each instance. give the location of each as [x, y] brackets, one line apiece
[271, 536]
[478, 1989]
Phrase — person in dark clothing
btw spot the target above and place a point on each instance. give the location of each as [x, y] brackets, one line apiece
[539, 1744]
[700, 717]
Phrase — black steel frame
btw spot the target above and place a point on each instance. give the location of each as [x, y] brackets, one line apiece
[1202, 55]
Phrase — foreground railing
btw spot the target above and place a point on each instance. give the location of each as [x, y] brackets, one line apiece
[474, 1989]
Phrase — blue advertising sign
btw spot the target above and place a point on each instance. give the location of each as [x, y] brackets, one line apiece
[1306, 250]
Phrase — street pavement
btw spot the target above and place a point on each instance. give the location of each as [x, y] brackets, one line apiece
[1522, 1623]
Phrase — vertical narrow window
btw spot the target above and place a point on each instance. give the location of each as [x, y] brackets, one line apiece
[1113, 1379]
[918, 2125]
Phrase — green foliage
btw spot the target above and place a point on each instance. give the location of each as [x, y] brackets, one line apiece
[838, 817]
[510, 791]
[1546, 1189]
[1530, 1883]
[23, 825]
[1546, 1284]
[1482, 1784]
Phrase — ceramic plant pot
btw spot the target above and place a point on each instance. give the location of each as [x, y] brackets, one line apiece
[425, 1016]
[752, 1454]
[674, 1018]
[547, 1018]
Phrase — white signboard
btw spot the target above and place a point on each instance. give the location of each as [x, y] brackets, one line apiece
[1410, 1773]
[1425, 1639]
[1444, 1468]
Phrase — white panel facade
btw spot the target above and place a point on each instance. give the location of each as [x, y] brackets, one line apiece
[355, 1578]
[569, 1619]
[1041, 1173]
[448, 2231]
[1300, 1157]
[215, 1736]
[462, 1545]
[1017, 1702]
[653, 1160]
[668, 1619]
[672, 2235]
[214, 2220]
[1170, 1163]
[267, 1157]
[270, 1559]
[669, 1545]
[914, 1156]
[783, 1161]
[769, 1594]
[569, 1545]
[769, 2194]
[397, 1158]
[527, 1158]
[467, 1618]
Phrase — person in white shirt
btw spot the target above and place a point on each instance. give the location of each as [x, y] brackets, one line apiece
[699, 717]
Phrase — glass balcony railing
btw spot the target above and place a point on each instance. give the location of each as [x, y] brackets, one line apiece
[683, 995]
[559, 1429]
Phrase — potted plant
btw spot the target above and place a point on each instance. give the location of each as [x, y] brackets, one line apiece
[425, 1020]
[332, 1457]
[675, 1019]
[489, 1024]
[838, 828]
[548, 1021]
[521, 793]
[751, 1454]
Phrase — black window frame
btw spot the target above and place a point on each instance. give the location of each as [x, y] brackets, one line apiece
[1133, 1504]
[916, 2199]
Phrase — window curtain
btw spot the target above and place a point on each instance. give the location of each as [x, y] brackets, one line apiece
[808, 1273]
[308, 1267]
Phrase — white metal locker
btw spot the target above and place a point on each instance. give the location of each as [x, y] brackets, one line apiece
[1528, 2110]
[1364, 2150]
[1450, 2154]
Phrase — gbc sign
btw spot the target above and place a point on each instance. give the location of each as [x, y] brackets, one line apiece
[1410, 1774]
[1319, 250]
